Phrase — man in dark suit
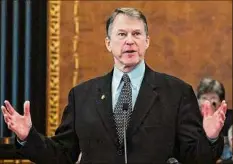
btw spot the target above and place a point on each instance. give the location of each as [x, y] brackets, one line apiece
[160, 112]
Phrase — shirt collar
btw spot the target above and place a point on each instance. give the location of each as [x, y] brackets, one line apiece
[135, 75]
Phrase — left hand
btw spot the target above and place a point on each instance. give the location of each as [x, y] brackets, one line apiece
[213, 121]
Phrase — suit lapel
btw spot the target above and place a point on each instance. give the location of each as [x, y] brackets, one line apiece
[147, 96]
[104, 105]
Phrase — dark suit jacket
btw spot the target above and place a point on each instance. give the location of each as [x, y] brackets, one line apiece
[165, 123]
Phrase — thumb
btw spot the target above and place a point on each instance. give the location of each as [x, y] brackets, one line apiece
[27, 108]
[223, 106]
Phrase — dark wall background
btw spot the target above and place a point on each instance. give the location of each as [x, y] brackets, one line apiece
[38, 66]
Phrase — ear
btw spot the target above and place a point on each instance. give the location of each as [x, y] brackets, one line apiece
[107, 44]
[147, 41]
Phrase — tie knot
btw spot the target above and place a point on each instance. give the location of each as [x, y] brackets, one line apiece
[126, 78]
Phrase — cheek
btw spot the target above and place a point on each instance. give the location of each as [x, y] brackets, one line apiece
[142, 46]
[117, 46]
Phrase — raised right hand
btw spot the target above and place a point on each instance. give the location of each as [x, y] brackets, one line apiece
[17, 123]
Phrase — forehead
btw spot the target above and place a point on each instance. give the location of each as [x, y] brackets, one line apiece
[210, 95]
[124, 22]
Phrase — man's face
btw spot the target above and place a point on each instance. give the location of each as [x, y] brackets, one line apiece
[213, 98]
[128, 41]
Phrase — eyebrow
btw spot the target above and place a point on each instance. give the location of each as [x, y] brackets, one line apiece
[136, 30]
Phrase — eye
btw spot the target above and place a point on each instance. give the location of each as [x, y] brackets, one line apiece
[121, 34]
[203, 97]
[137, 33]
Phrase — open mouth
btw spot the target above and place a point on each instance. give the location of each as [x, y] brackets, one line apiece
[129, 51]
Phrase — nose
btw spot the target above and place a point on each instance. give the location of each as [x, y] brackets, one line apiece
[129, 40]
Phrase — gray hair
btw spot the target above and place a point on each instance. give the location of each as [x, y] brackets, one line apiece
[208, 85]
[131, 12]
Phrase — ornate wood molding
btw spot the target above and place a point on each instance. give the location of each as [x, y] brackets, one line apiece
[75, 42]
[53, 65]
[75, 51]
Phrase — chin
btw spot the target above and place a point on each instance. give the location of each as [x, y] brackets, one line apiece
[133, 60]
[131, 63]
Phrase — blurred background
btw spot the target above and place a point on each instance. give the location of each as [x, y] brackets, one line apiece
[47, 47]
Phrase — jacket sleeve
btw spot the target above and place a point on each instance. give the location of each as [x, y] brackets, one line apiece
[62, 148]
[193, 145]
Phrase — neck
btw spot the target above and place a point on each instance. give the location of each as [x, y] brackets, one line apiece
[127, 69]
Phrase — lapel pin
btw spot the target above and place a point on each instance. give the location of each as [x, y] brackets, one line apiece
[102, 97]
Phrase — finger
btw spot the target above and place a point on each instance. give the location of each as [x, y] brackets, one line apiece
[222, 109]
[207, 110]
[27, 108]
[11, 123]
[203, 110]
[9, 108]
[221, 122]
[6, 119]
[222, 115]
[4, 111]
[8, 125]
[223, 106]
[6, 115]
